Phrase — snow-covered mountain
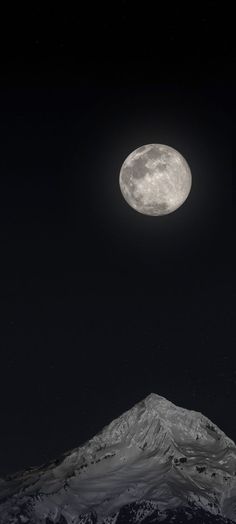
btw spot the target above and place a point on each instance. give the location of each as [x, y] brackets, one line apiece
[155, 463]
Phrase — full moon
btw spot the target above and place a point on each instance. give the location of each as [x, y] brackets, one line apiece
[155, 179]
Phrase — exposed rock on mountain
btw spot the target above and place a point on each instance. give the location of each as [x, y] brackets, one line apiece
[155, 463]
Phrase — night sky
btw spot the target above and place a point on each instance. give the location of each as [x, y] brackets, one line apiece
[101, 305]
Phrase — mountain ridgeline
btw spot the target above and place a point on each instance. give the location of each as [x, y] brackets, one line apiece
[155, 463]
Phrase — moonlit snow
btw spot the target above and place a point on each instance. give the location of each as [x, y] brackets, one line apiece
[156, 456]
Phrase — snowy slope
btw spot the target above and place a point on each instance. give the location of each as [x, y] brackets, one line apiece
[155, 452]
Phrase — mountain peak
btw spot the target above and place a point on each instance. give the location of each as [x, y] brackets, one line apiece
[155, 451]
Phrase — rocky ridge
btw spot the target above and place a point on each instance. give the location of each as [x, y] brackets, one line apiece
[156, 461]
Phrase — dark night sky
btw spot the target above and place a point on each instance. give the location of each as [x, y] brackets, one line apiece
[101, 305]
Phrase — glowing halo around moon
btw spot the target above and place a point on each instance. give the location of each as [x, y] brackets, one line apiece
[155, 179]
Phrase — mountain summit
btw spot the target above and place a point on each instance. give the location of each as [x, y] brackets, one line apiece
[153, 462]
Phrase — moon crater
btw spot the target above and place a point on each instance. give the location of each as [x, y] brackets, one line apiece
[155, 179]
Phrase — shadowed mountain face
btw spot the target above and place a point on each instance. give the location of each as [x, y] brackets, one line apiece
[155, 463]
[146, 513]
